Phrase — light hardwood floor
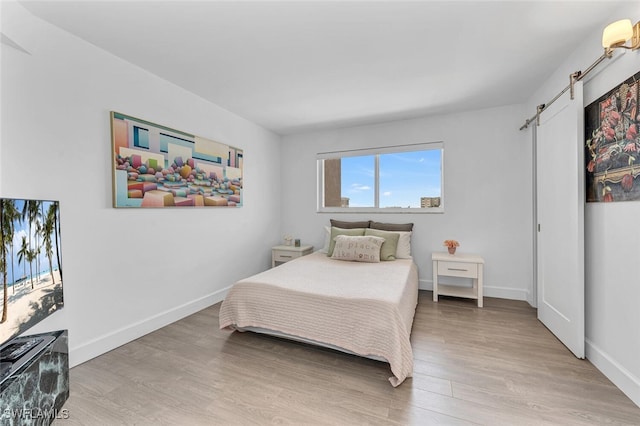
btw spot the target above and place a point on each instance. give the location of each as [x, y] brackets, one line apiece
[495, 365]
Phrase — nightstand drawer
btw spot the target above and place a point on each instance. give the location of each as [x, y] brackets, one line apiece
[280, 256]
[458, 269]
[283, 254]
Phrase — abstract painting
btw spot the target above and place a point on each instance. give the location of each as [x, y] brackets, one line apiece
[612, 146]
[156, 166]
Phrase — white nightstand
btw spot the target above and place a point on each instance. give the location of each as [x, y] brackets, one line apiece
[282, 254]
[458, 265]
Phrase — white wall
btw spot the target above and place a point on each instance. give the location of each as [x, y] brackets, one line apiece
[612, 241]
[487, 176]
[126, 271]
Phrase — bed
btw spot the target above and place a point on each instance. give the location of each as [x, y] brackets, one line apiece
[358, 307]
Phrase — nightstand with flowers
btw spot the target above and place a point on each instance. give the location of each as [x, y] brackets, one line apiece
[457, 265]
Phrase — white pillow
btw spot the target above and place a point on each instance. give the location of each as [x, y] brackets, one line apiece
[327, 240]
[404, 245]
[357, 249]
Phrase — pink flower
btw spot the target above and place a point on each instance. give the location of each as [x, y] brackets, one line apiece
[609, 134]
[451, 243]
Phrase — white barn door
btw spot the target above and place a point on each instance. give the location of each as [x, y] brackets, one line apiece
[560, 214]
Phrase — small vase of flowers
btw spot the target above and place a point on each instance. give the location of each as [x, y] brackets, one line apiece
[451, 245]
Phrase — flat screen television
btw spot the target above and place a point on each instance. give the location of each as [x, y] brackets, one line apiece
[30, 276]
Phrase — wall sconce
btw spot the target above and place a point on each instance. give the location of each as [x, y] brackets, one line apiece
[616, 34]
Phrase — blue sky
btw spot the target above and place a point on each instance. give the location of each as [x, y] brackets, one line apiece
[404, 178]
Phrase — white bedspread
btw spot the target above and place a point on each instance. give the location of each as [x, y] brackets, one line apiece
[366, 308]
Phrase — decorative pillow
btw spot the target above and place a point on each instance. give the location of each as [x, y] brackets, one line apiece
[340, 231]
[404, 245]
[390, 245]
[392, 226]
[357, 249]
[349, 225]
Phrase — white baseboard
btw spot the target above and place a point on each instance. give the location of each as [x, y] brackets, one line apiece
[489, 291]
[116, 338]
[620, 376]
[506, 293]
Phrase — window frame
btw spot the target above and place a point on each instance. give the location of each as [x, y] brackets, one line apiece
[397, 149]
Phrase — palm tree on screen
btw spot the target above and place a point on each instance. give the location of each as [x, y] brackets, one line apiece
[31, 212]
[4, 231]
[47, 230]
[13, 216]
[53, 212]
[23, 254]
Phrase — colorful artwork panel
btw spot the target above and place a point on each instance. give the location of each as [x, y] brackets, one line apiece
[156, 166]
[612, 146]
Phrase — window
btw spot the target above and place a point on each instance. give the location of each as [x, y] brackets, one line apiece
[394, 179]
[140, 137]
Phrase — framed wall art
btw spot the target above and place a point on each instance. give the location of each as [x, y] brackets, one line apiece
[156, 166]
[612, 147]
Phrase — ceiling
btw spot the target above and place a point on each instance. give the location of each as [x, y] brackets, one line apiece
[295, 66]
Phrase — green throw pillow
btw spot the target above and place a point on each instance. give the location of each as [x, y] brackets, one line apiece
[390, 245]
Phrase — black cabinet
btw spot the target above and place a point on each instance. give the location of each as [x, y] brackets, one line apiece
[35, 393]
